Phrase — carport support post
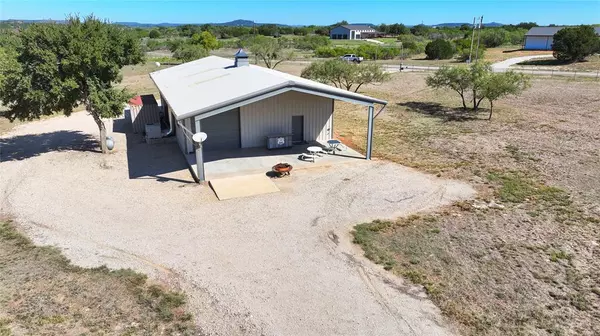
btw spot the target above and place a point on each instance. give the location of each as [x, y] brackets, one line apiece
[199, 158]
[370, 133]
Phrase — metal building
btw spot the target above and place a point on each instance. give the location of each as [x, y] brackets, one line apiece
[239, 105]
[541, 38]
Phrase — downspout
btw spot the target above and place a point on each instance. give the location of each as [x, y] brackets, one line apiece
[171, 130]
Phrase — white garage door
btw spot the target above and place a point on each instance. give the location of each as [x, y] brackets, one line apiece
[537, 43]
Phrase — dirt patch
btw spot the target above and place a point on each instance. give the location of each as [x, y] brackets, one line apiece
[523, 258]
[41, 293]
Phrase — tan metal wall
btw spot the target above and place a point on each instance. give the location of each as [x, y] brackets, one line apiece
[274, 116]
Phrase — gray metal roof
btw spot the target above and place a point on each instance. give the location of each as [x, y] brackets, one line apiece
[549, 31]
[358, 27]
[213, 83]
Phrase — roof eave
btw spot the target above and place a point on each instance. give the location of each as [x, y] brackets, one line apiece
[288, 85]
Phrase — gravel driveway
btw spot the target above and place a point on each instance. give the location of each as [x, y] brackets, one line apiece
[276, 264]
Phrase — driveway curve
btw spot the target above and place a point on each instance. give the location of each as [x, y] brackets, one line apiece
[504, 65]
[277, 264]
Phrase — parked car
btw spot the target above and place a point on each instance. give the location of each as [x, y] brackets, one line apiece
[351, 58]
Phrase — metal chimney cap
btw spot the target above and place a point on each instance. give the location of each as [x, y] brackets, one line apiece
[241, 54]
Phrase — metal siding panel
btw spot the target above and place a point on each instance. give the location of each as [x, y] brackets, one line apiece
[538, 43]
[274, 115]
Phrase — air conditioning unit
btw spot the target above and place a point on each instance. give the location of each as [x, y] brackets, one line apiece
[153, 131]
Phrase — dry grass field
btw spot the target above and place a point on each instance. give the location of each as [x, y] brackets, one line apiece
[522, 259]
[41, 293]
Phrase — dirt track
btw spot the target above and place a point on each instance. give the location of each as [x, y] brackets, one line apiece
[277, 264]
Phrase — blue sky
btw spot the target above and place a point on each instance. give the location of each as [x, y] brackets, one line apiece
[298, 12]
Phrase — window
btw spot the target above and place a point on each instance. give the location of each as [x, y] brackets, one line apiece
[345, 37]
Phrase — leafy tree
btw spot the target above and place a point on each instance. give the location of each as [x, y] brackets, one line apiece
[61, 66]
[439, 49]
[420, 30]
[189, 52]
[479, 80]
[206, 40]
[269, 50]
[345, 75]
[463, 49]
[457, 79]
[154, 33]
[494, 37]
[268, 30]
[312, 42]
[527, 25]
[398, 29]
[575, 44]
[502, 84]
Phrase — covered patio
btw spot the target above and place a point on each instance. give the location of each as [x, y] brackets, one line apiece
[221, 164]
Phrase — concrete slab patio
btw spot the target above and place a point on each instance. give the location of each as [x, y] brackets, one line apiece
[274, 264]
[260, 160]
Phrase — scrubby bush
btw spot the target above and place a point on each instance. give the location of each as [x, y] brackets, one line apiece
[190, 52]
[575, 44]
[463, 50]
[312, 42]
[156, 45]
[494, 37]
[154, 33]
[328, 52]
[374, 52]
[439, 49]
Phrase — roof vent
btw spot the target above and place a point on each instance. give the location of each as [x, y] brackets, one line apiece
[241, 59]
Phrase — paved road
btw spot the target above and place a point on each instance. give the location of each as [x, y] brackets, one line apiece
[502, 67]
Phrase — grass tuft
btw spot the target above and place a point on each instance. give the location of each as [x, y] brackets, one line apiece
[44, 294]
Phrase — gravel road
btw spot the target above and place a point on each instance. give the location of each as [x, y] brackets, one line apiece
[276, 264]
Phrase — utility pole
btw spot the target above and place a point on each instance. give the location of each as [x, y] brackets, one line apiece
[478, 38]
[472, 40]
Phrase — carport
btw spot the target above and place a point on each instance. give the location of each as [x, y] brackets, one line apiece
[238, 106]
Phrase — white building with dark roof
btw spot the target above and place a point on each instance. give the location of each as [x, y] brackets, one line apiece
[352, 32]
[541, 38]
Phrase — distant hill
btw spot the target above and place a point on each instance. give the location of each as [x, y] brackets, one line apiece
[234, 23]
[458, 24]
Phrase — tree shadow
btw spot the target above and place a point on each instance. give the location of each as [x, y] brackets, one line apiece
[511, 51]
[22, 147]
[547, 62]
[436, 110]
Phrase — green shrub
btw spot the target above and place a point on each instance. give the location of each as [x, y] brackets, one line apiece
[154, 33]
[463, 50]
[312, 42]
[439, 49]
[575, 44]
[328, 52]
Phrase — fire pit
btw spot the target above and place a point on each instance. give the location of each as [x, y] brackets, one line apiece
[282, 169]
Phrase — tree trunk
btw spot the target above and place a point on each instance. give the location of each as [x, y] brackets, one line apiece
[491, 110]
[102, 129]
[475, 105]
[462, 96]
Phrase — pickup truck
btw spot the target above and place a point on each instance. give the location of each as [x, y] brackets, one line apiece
[351, 58]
